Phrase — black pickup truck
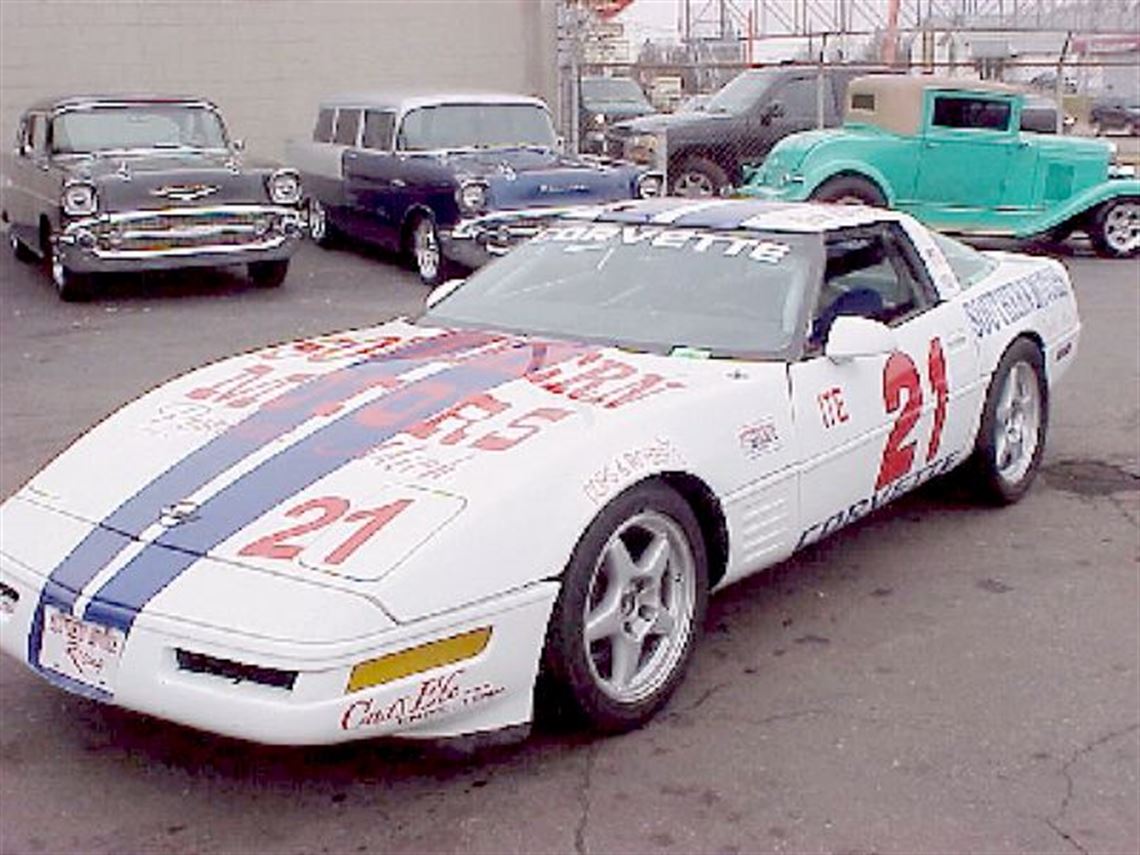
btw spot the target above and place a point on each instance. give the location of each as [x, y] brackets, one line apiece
[703, 151]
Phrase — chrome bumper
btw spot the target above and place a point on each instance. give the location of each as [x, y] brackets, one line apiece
[180, 237]
[476, 241]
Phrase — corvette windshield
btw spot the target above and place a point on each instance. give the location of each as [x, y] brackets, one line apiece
[137, 126]
[647, 286]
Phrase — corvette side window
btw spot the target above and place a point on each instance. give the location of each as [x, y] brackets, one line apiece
[872, 273]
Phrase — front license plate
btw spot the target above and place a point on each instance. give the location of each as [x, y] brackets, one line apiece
[85, 652]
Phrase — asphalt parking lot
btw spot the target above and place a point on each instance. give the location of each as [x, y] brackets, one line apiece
[937, 678]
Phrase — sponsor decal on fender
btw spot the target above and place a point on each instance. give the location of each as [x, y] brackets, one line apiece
[1007, 304]
[760, 438]
[622, 469]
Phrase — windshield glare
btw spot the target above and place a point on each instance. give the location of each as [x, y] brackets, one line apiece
[476, 126]
[141, 126]
[651, 287]
[740, 93]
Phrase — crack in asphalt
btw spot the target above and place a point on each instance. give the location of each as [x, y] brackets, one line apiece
[580, 847]
[1125, 512]
[1053, 821]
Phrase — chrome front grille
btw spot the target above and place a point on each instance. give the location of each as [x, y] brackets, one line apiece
[165, 231]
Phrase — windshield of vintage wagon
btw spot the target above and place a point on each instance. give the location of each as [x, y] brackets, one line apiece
[475, 126]
[136, 126]
[647, 286]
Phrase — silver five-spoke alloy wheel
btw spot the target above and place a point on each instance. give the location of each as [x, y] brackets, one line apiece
[1017, 426]
[640, 607]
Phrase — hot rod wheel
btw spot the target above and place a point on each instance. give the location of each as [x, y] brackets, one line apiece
[1115, 228]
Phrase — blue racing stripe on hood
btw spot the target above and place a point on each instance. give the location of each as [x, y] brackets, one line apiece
[120, 599]
[276, 418]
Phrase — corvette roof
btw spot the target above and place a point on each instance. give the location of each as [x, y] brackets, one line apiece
[736, 214]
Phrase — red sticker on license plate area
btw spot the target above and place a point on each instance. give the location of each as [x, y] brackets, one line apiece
[88, 653]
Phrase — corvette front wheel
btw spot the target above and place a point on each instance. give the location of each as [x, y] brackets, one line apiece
[1014, 422]
[630, 610]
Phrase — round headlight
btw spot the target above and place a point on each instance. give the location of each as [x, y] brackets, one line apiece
[472, 196]
[79, 199]
[649, 185]
[599, 119]
[285, 187]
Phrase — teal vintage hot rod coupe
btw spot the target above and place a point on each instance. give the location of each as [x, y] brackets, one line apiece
[951, 153]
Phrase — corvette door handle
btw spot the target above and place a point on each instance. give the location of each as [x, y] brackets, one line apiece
[957, 340]
[399, 182]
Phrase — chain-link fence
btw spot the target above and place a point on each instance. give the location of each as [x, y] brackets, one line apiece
[703, 121]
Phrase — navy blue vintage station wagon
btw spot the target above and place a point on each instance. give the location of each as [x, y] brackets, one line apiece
[449, 180]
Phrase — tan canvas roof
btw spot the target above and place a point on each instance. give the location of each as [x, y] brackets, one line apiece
[898, 98]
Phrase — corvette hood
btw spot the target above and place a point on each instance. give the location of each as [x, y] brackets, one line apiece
[299, 455]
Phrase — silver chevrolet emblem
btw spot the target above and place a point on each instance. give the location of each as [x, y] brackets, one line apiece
[184, 192]
[178, 513]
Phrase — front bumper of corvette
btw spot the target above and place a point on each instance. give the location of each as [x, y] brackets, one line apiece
[471, 670]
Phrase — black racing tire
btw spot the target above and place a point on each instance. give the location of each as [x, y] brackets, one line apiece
[425, 250]
[698, 177]
[1015, 420]
[268, 274]
[850, 190]
[638, 582]
[71, 287]
[321, 230]
[20, 249]
[1114, 228]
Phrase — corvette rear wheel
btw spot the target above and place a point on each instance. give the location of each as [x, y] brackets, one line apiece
[630, 610]
[1012, 436]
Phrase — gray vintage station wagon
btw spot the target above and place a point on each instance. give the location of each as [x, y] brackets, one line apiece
[102, 185]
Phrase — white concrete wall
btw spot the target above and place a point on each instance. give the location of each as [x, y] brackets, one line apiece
[267, 62]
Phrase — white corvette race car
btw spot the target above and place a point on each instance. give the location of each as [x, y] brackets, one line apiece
[397, 530]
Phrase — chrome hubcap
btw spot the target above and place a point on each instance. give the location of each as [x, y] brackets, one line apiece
[639, 612]
[317, 224]
[1122, 227]
[426, 248]
[1018, 423]
[693, 184]
[58, 271]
